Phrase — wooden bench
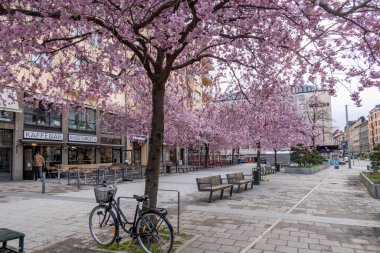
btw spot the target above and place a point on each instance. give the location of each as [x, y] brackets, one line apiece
[267, 169]
[186, 168]
[211, 184]
[7, 235]
[239, 179]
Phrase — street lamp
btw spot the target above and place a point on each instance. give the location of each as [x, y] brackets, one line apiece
[348, 139]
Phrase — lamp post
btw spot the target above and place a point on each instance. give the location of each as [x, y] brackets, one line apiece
[348, 139]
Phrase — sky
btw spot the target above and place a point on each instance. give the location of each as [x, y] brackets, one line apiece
[370, 97]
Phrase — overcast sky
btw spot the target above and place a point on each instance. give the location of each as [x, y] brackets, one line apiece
[370, 98]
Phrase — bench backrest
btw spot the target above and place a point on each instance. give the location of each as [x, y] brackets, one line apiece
[234, 177]
[204, 182]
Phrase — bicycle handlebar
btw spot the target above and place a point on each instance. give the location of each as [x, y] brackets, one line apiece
[112, 185]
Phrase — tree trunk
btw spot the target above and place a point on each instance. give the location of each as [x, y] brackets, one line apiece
[258, 155]
[156, 141]
[275, 158]
[233, 157]
[206, 155]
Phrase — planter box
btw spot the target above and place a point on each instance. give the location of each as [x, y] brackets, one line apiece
[373, 189]
[306, 170]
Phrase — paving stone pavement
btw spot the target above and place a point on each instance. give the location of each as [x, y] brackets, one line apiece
[336, 215]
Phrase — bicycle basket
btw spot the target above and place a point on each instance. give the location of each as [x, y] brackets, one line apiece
[104, 194]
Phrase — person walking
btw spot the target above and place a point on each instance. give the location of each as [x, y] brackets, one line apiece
[39, 163]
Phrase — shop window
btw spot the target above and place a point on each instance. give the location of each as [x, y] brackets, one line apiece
[81, 155]
[6, 116]
[83, 120]
[52, 155]
[42, 116]
[106, 155]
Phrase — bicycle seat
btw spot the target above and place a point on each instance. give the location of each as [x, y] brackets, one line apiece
[141, 198]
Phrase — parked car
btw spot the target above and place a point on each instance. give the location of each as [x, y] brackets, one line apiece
[342, 161]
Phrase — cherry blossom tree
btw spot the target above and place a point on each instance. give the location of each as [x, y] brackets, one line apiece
[89, 49]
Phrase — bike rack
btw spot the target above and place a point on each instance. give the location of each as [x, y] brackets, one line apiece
[178, 207]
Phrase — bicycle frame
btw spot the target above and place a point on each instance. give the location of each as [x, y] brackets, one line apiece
[122, 219]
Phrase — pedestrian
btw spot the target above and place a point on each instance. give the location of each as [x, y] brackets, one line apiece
[39, 163]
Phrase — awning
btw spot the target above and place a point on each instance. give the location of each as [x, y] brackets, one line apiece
[8, 100]
[29, 141]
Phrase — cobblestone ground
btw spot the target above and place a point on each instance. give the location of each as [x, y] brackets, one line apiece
[326, 212]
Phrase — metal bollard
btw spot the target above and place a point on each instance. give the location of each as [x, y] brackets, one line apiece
[43, 182]
[78, 179]
[59, 176]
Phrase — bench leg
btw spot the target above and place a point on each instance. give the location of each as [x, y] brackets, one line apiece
[210, 197]
[246, 185]
[232, 187]
[4, 244]
[21, 245]
[221, 194]
[238, 188]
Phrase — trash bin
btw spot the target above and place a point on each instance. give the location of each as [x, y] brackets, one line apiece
[168, 170]
[277, 167]
[238, 161]
[256, 176]
[336, 167]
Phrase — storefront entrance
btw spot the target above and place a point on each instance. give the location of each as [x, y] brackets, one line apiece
[6, 140]
[52, 155]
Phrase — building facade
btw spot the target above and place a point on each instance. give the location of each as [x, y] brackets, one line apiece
[374, 127]
[364, 140]
[74, 138]
[315, 106]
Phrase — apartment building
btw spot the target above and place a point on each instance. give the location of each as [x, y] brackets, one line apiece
[374, 127]
[315, 106]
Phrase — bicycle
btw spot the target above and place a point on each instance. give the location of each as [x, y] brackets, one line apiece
[151, 228]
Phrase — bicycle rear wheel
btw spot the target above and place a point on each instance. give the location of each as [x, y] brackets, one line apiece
[103, 225]
[154, 233]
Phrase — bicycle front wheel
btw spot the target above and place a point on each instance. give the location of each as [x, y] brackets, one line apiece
[154, 233]
[103, 225]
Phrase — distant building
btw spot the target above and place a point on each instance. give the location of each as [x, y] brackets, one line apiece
[315, 107]
[374, 127]
[364, 140]
[339, 138]
[354, 144]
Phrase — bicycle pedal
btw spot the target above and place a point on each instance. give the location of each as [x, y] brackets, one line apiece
[118, 239]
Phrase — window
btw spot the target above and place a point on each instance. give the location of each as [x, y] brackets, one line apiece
[42, 116]
[83, 120]
[6, 116]
[301, 97]
[81, 155]
[197, 96]
[302, 106]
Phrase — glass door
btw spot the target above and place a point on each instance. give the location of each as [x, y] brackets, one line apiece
[28, 162]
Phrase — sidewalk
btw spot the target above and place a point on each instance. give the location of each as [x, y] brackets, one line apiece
[286, 213]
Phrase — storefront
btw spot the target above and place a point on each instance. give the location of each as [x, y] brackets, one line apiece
[138, 149]
[82, 148]
[8, 109]
[110, 150]
[48, 143]
[6, 146]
